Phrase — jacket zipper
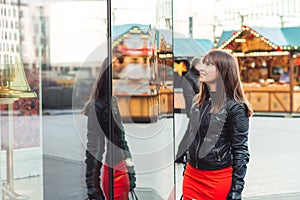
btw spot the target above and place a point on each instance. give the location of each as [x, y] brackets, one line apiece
[198, 146]
[218, 155]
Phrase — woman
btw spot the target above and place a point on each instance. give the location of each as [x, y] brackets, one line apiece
[219, 123]
[97, 110]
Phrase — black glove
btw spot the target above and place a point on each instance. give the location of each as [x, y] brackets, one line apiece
[131, 173]
[234, 196]
[93, 167]
[132, 179]
[181, 159]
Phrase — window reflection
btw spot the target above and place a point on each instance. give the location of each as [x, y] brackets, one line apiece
[21, 155]
[54, 41]
[143, 84]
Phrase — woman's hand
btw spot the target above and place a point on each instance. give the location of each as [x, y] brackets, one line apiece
[131, 173]
[234, 196]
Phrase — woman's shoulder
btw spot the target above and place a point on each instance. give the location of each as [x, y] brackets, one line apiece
[233, 104]
[236, 107]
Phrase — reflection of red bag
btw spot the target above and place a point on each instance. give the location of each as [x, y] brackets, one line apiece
[121, 181]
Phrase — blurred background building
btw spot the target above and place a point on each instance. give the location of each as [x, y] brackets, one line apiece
[9, 33]
[207, 20]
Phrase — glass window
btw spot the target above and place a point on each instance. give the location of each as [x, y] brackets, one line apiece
[61, 59]
[136, 86]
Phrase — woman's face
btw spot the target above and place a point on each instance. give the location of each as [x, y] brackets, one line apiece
[208, 73]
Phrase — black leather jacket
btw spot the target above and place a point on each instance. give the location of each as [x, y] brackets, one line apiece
[98, 125]
[220, 140]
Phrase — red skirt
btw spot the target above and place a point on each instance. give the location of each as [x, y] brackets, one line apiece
[206, 184]
[121, 181]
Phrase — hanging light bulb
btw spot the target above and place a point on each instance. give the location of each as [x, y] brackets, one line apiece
[264, 63]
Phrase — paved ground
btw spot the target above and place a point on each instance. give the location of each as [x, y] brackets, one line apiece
[289, 196]
[273, 171]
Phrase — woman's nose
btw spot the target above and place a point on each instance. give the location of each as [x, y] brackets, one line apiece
[202, 68]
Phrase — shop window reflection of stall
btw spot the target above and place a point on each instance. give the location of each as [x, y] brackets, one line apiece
[165, 60]
[133, 76]
[166, 84]
[143, 73]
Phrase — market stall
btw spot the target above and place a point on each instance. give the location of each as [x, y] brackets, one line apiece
[269, 64]
[142, 81]
[132, 78]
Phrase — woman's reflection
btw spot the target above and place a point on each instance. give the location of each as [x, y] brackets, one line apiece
[97, 111]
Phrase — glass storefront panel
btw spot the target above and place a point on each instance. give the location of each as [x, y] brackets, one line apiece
[20, 109]
[143, 86]
[78, 32]
[60, 46]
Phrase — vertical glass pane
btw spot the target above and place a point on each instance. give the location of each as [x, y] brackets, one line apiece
[21, 133]
[143, 86]
[54, 43]
[60, 46]
[78, 47]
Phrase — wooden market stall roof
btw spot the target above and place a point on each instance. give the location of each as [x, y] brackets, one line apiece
[187, 47]
[292, 35]
[119, 30]
[206, 44]
[267, 39]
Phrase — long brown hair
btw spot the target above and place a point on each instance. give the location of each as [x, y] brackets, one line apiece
[100, 87]
[228, 83]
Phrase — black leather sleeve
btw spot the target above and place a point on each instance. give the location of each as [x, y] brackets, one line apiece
[238, 123]
[119, 128]
[94, 154]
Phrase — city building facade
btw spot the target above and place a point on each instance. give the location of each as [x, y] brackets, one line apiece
[9, 33]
